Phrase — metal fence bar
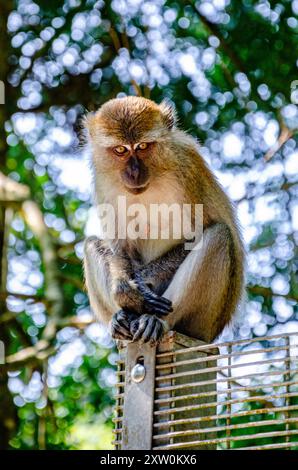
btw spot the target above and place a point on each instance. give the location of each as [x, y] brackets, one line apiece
[261, 435]
[209, 347]
[270, 446]
[258, 411]
[221, 392]
[119, 404]
[229, 396]
[287, 377]
[236, 377]
[225, 356]
[233, 366]
[189, 432]
[226, 402]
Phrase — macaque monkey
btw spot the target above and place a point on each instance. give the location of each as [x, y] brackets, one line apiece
[144, 287]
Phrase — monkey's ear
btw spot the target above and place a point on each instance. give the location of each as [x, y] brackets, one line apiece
[168, 114]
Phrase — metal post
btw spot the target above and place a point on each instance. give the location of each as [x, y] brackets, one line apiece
[138, 397]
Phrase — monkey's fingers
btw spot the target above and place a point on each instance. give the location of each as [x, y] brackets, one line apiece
[152, 297]
[149, 294]
[156, 333]
[117, 332]
[153, 331]
[125, 317]
[120, 325]
[134, 327]
[150, 328]
[152, 310]
[142, 323]
[156, 306]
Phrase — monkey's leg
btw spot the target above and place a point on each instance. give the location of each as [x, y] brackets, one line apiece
[101, 301]
[97, 280]
[110, 284]
[203, 291]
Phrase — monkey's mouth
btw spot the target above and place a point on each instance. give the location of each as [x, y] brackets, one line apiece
[137, 189]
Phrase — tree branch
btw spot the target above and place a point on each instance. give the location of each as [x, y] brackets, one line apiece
[33, 354]
[34, 219]
[11, 191]
[284, 136]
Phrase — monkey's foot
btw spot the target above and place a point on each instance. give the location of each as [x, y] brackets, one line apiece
[154, 303]
[147, 328]
[120, 325]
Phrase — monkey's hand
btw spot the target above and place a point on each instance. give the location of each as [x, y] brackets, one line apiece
[148, 329]
[137, 297]
[127, 295]
[154, 303]
[120, 325]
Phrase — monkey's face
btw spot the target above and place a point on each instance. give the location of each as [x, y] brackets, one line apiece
[134, 171]
[126, 136]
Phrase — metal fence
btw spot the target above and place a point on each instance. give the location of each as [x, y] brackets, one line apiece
[190, 395]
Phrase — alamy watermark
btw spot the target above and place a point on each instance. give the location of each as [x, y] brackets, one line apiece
[152, 222]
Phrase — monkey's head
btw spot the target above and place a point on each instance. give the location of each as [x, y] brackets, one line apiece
[126, 136]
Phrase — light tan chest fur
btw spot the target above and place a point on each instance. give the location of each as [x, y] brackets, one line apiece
[139, 210]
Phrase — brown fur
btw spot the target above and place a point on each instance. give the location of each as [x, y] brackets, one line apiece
[131, 120]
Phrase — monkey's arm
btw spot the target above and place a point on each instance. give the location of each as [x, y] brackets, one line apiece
[158, 274]
[112, 290]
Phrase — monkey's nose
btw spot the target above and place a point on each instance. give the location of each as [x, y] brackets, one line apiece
[135, 175]
[133, 169]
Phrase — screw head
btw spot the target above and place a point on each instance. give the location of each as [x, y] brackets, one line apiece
[138, 373]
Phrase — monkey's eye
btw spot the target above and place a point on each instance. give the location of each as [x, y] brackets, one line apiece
[143, 146]
[120, 150]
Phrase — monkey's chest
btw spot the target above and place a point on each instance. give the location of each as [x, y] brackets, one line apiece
[154, 222]
[152, 231]
[153, 249]
[157, 234]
